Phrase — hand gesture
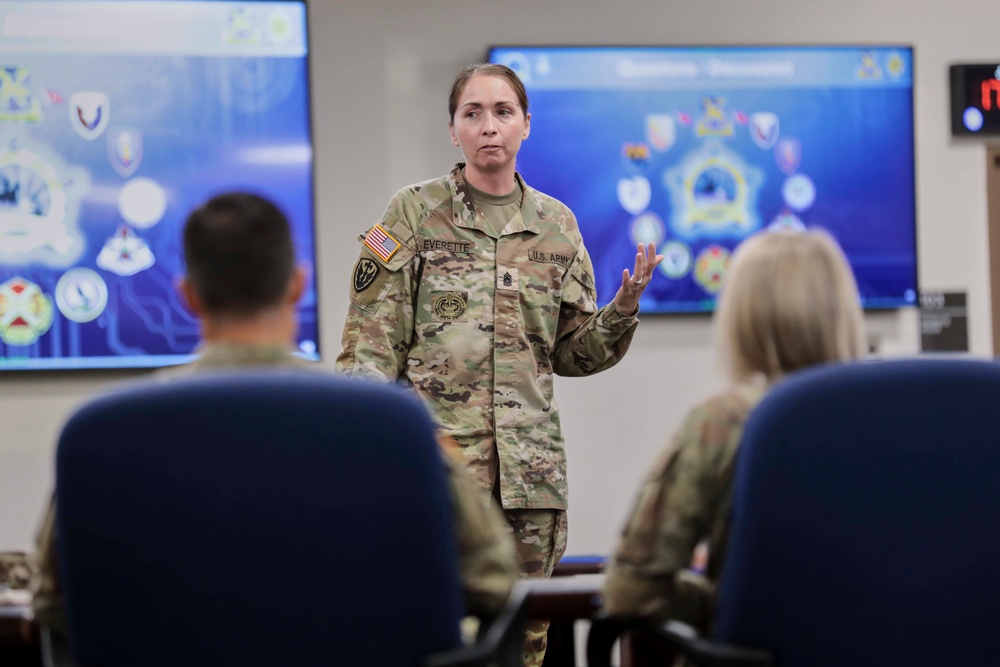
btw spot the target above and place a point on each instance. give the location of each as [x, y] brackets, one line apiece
[646, 260]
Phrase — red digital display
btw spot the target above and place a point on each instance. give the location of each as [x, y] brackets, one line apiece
[991, 89]
[975, 100]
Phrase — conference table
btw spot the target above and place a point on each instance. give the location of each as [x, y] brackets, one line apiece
[570, 596]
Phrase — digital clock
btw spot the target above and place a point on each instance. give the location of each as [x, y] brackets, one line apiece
[975, 100]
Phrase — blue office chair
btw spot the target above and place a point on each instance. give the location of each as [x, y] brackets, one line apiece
[262, 518]
[865, 523]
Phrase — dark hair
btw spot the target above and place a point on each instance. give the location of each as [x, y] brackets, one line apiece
[486, 69]
[239, 254]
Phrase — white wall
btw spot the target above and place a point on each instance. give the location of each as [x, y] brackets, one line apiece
[381, 71]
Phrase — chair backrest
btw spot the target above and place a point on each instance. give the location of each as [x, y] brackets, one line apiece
[866, 518]
[256, 518]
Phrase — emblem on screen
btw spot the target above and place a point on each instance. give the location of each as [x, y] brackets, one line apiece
[125, 253]
[39, 197]
[81, 295]
[714, 120]
[17, 101]
[25, 312]
[89, 113]
[764, 129]
[714, 193]
[125, 150]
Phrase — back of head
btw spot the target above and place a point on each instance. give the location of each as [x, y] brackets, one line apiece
[789, 301]
[239, 254]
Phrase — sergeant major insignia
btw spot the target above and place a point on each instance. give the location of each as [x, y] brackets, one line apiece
[364, 274]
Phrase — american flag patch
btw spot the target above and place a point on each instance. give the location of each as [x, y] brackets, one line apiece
[381, 243]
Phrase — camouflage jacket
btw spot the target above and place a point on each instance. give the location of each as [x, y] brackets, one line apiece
[487, 565]
[684, 501]
[478, 326]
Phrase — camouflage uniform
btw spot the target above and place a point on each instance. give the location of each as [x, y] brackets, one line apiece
[685, 500]
[478, 324]
[487, 565]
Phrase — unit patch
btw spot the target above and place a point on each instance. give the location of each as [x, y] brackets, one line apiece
[368, 283]
[364, 274]
[449, 306]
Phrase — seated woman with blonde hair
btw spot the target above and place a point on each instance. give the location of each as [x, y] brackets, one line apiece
[789, 301]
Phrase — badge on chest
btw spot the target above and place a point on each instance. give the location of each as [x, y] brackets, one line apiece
[507, 279]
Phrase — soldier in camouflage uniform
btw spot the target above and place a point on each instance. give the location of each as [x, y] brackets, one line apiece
[789, 301]
[475, 290]
[243, 284]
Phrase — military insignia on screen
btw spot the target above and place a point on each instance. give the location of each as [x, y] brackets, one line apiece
[449, 306]
[764, 129]
[676, 260]
[125, 150]
[125, 253]
[869, 67]
[89, 113]
[240, 28]
[81, 295]
[17, 101]
[788, 155]
[636, 155]
[39, 196]
[142, 202]
[25, 312]
[896, 65]
[279, 27]
[381, 243]
[710, 268]
[364, 274]
[799, 192]
[634, 194]
[647, 228]
[660, 131]
[714, 121]
[714, 194]
[786, 220]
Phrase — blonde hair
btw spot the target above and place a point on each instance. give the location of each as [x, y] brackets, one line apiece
[788, 301]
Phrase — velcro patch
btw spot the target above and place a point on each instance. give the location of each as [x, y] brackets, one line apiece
[507, 279]
[449, 306]
[368, 282]
[382, 243]
[365, 272]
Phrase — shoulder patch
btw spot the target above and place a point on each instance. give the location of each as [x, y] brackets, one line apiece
[368, 282]
[364, 274]
[382, 243]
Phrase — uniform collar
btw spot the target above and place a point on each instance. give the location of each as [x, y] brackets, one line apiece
[465, 213]
[224, 354]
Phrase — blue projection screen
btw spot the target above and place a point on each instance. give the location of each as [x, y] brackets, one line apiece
[697, 148]
[116, 120]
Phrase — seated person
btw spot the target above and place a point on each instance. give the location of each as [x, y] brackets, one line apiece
[789, 301]
[243, 284]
